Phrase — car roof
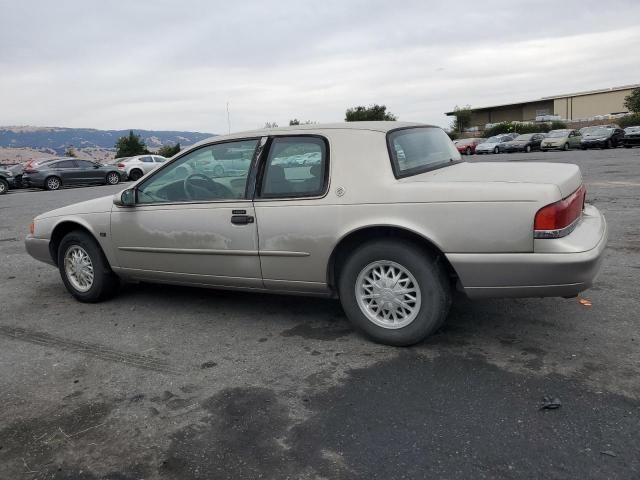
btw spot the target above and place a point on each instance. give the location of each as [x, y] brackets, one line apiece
[382, 126]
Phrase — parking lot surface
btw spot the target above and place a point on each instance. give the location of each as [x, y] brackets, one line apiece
[168, 382]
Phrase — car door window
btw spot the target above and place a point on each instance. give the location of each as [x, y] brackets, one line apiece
[205, 174]
[85, 164]
[146, 159]
[65, 164]
[159, 159]
[295, 167]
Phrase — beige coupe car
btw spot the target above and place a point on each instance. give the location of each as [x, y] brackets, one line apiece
[389, 219]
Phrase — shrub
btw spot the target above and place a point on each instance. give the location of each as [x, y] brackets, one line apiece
[629, 120]
[558, 125]
[509, 127]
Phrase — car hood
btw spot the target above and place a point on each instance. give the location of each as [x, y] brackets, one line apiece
[555, 139]
[97, 205]
[490, 146]
[566, 177]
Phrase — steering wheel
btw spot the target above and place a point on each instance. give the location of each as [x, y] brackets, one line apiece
[213, 190]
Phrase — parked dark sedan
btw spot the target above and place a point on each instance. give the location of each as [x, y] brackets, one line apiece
[7, 180]
[602, 138]
[631, 137]
[69, 171]
[524, 143]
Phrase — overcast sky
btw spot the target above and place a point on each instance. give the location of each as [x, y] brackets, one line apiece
[174, 65]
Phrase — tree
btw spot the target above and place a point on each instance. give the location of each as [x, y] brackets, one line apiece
[632, 101]
[169, 151]
[130, 146]
[461, 118]
[295, 121]
[70, 152]
[270, 125]
[373, 112]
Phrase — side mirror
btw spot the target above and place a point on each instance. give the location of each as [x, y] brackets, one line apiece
[126, 198]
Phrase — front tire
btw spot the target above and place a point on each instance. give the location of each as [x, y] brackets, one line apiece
[496, 150]
[4, 186]
[527, 149]
[113, 178]
[566, 147]
[53, 183]
[84, 269]
[394, 292]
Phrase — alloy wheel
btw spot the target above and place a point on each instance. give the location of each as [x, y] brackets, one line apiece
[113, 178]
[78, 268]
[388, 294]
[53, 183]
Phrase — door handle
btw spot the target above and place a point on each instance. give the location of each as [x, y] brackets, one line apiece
[241, 219]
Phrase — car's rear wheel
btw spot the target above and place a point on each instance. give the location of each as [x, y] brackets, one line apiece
[394, 291]
[53, 183]
[566, 147]
[4, 186]
[468, 151]
[84, 269]
[135, 174]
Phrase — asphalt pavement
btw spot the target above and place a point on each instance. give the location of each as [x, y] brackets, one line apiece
[165, 382]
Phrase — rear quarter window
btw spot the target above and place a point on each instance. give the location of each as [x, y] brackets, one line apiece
[417, 150]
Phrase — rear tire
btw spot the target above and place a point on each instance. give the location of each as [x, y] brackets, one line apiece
[52, 183]
[84, 269]
[403, 308]
[135, 174]
[468, 151]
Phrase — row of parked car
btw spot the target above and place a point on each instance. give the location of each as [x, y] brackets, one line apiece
[54, 173]
[601, 136]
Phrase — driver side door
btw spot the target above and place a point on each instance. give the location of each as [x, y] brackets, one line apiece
[191, 226]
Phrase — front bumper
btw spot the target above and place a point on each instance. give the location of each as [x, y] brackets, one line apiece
[552, 147]
[38, 248]
[631, 140]
[594, 144]
[560, 267]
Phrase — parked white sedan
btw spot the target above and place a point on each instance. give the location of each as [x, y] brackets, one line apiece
[390, 220]
[135, 167]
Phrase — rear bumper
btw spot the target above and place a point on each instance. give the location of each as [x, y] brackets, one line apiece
[560, 267]
[33, 181]
[38, 248]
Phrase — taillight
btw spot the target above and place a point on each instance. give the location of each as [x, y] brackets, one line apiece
[121, 165]
[32, 228]
[559, 218]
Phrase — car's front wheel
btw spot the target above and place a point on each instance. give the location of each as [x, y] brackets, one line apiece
[496, 150]
[566, 147]
[113, 178]
[527, 149]
[84, 269]
[4, 186]
[394, 291]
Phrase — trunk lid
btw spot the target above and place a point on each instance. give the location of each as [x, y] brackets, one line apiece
[565, 176]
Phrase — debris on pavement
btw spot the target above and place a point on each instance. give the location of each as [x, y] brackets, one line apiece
[608, 453]
[585, 302]
[550, 403]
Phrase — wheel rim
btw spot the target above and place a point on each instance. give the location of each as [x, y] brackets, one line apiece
[3, 187]
[113, 178]
[495, 150]
[388, 294]
[566, 146]
[79, 268]
[53, 183]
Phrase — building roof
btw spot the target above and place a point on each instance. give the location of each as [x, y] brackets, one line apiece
[554, 97]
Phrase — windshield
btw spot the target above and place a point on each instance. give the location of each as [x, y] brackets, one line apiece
[558, 133]
[598, 132]
[526, 136]
[632, 129]
[493, 140]
[417, 150]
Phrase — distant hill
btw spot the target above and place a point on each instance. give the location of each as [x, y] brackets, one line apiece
[59, 139]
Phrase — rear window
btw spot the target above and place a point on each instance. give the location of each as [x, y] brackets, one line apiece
[417, 150]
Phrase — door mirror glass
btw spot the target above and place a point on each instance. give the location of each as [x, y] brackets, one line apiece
[126, 198]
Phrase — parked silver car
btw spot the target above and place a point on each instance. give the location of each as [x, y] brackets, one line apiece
[134, 168]
[390, 220]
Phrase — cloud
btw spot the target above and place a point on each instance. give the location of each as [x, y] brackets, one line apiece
[170, 65]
